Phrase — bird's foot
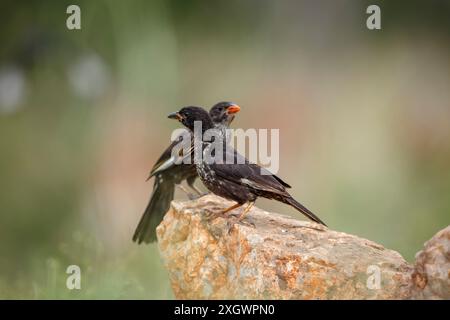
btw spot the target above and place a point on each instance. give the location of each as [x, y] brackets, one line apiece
[246, 223]
[233, 220]
[197, 196]
[192, 196]
[210, 214]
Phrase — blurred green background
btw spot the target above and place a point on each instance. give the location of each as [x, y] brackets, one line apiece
[363, 117]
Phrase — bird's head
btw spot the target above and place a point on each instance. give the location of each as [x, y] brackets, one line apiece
[224, 112]
[189, 115]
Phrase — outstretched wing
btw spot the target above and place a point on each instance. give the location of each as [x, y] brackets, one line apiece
[168, 159]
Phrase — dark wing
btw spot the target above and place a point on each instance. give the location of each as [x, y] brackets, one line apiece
[249, 174]
[167, 160]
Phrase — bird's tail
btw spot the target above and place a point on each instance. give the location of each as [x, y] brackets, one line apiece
[162, 195]
[297, 205]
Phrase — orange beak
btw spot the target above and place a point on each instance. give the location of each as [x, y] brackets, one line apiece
[234, 108]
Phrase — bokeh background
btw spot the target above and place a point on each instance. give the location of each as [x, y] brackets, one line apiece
[363, 117]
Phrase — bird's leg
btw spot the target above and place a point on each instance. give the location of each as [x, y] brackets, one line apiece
[189, 195]
[191, 183]
[232, 222]
[193, 187]
[237, 205]
[247, 209]
[199, 192]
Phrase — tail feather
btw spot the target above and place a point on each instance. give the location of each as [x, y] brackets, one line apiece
[162, 195]
[297, 205]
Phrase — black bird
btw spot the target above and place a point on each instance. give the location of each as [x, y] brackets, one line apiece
[168, 174]
[241, 181]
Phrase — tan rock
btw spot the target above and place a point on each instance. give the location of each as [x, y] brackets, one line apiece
[272, 256]
[431, 277]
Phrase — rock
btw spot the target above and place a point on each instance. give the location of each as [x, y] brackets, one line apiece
[431, 276]
[272, 256]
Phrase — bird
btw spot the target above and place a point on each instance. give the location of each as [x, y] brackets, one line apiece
[240, 181]
[168, 174]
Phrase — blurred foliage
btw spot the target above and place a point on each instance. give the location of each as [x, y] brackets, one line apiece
[363, 118]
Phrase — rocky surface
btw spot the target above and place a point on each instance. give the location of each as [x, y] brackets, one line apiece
[431, 276]
[272, 256]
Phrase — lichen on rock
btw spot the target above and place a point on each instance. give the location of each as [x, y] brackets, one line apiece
[272, 256]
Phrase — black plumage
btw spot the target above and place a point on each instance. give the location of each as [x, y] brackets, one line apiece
[168, 174]
[241, 181]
